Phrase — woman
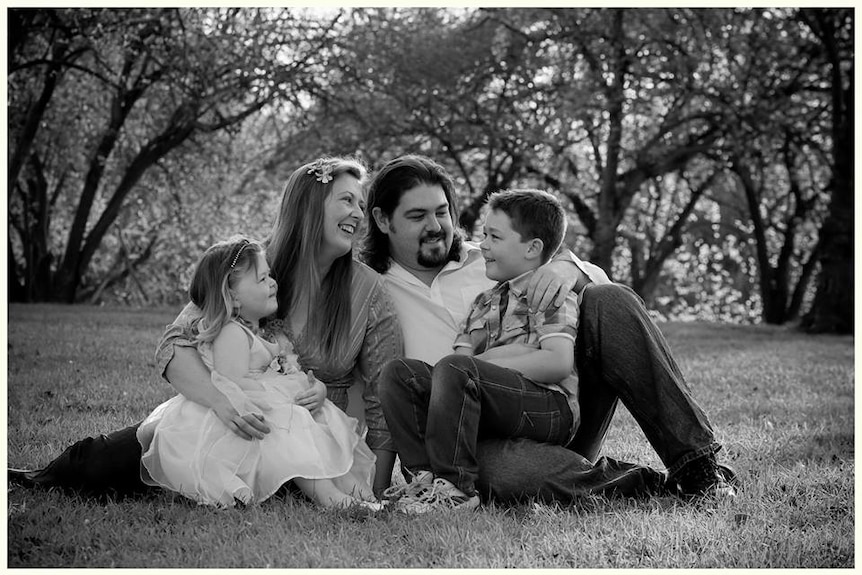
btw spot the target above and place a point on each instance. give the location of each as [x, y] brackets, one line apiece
[334, 310]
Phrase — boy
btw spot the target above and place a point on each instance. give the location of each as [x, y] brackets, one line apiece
[513, 371]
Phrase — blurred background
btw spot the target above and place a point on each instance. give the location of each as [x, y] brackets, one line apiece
[705, 156]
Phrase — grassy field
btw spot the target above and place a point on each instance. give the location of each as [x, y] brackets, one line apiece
[782, 404]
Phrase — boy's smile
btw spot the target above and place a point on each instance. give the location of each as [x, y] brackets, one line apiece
[506, 254]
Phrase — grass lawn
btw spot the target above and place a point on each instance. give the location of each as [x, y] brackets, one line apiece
[782, 405]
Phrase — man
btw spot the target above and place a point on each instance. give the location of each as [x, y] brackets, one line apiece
[433, 276]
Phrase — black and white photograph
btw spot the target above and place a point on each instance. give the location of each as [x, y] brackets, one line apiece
[460, 287]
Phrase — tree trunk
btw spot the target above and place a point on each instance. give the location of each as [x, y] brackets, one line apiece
[832, 311]
[604, 241]
[17, 291]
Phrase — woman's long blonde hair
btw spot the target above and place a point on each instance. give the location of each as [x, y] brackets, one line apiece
[215, 274]
[294, 249]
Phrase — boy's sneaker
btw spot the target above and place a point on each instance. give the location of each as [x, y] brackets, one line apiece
[442, 495]
[421, 482]
[703, 477]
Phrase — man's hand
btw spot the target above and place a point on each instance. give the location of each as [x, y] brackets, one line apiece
[249, 426]
[312, 398]
[551, 284]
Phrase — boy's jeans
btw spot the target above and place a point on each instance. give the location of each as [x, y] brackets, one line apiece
[437, 417]
[621, 355]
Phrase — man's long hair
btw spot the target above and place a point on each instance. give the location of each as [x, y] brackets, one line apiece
[293, 250]
[385, 190]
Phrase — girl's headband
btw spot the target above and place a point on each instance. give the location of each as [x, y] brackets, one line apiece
[236, 257]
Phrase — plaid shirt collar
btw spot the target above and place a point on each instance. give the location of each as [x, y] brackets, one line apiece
[517, 286]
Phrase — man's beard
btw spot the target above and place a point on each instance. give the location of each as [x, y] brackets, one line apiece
[436, 256]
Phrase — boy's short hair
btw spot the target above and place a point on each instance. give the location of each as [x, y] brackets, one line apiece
[534, 214]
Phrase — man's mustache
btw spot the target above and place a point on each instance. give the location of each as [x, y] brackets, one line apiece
[432, 236]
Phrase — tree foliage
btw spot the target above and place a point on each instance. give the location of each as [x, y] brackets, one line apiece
[101, 97]
[702, 153]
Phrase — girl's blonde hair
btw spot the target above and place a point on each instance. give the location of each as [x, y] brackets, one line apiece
[294, 248]
[215, 274]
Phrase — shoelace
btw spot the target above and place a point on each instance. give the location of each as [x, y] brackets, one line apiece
[440, 494]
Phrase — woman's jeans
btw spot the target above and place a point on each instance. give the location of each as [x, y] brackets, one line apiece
[437, 416]
[107, 464]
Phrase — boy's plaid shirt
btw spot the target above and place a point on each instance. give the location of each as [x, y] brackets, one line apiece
[501, 316]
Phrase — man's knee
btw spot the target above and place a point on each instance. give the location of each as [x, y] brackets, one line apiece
[602, 299]
[612, 293]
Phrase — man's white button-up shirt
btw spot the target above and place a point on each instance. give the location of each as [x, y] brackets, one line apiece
[431, 315]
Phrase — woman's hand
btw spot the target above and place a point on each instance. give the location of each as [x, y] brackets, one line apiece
[312, 398]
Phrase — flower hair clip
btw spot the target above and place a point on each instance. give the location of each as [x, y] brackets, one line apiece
[322, 170]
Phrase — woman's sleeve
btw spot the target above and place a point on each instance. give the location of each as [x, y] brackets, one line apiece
[181, 332]
[383, 342]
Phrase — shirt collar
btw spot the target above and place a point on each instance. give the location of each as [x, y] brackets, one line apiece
[469, 252]
[517, 286]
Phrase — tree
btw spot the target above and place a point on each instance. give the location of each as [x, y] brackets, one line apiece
[102, 97]
[779, 221]
[629, 109]
[776, 129]
[832, 310]
[659, 235]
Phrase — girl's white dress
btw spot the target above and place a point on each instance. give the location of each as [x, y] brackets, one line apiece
[186, 448]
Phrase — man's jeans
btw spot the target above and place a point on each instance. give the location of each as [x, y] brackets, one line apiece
[436, 417]
[621, 355]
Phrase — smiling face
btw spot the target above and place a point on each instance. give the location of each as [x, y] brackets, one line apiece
[254, 292]
[343, 211]
[506, 254]
[420, 229]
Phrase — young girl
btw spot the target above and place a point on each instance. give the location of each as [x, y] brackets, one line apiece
[187, 448]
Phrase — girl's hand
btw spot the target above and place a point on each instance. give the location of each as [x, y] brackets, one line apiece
[312, 398]
[249, 426]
